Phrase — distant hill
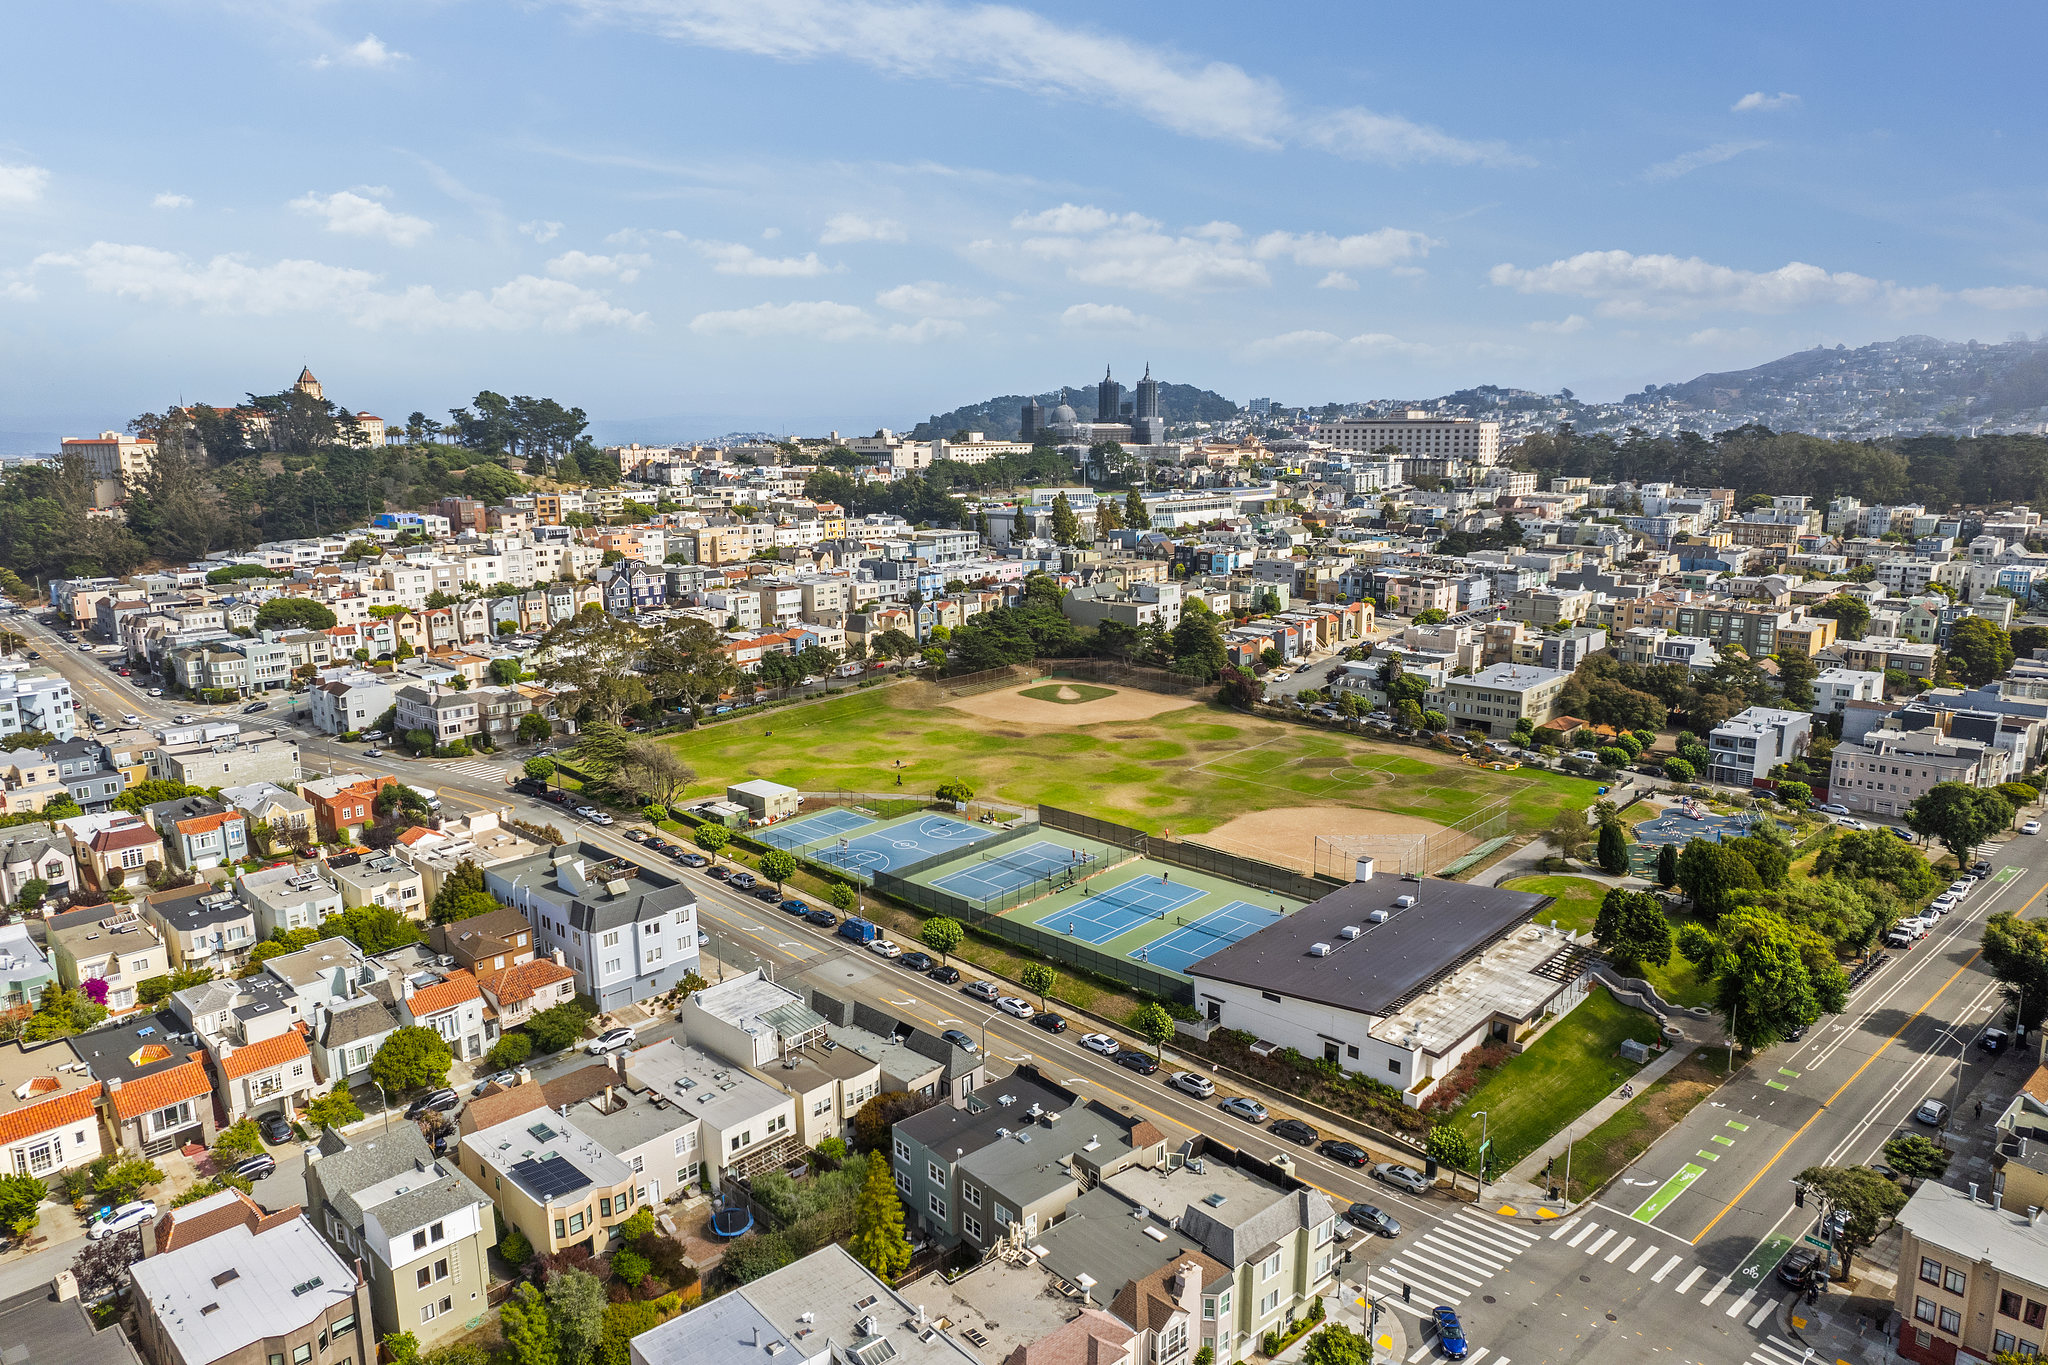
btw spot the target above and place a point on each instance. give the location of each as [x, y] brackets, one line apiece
[1000, 417]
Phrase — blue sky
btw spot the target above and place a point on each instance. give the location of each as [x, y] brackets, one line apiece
[689, 216]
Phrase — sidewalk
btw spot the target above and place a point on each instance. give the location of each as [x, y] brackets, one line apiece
[1527, 1182]
[1845, 1327]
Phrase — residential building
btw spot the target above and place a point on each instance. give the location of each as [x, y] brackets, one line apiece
[380, 878]
[1743, 750]
[272, 1075]
[229, 762]
[36, 852]
[49, 1113]
[745, 1125]
[350, 703]
[1835, 688]
[517, 993]
[287, 815]
[36, 699]
[755, 1022]
[1498, 697]
[159, 1095]
[1417, 435]
[200, 833]
[289, 896]
[627, 932]
[449, 1003]
[443, 712]
[826, 1303]
[1395, 979]
[24, 969]
[421, 1229]
[344, 803]
[107, 943]
[1973, 1277]
[204, 926]
[115, 459]
[112, 848]
[913, 1060]
[550, 1179]
[1891, 769]
[485, 943]
[63, 1330]
[263, 1289]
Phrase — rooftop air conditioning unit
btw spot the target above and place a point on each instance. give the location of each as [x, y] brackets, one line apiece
[1378, 917]
[1350, 931]
[1404, 901]
[1318, 950]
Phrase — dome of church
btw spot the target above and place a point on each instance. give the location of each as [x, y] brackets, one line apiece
[1060, 414]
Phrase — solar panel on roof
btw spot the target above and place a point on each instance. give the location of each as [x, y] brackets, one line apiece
[549, 1178]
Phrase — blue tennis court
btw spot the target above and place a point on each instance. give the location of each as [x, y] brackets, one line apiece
[899, 845]
[1211, 933]
[1106, 914]
[826, 824]
[1011, 867]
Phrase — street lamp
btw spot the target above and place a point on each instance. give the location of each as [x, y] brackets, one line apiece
[383, 1102]
[1483, 1143]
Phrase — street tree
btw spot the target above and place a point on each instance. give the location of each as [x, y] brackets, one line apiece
[844, 898]
[2016, 950]
[778, 865]
[711, 838]
[653, 773]
[1039, 979]
[594, 660]
[688, 662]
[941, 935]
[1978, 650]
[412, 1058]
[1763, 989]
[1959, 816]
[335, 1109]
[1871, 1200]
[1915, 1158]
[1452, 1147]
[1335, 1344]
[540, 769]
[1151, 1022]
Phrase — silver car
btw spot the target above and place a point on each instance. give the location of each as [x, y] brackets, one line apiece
[1404, 1178]
[1201, 1087]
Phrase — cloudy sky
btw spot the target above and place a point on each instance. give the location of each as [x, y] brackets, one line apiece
[690, 216]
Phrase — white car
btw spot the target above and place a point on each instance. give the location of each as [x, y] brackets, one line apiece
[121, 1219]
[1847, 822]
[611, 1040]
[1200, 1086]
[1100, 1042]
[182, 718]
[1832, 808]
[2031, 827]
[1917, 926]
[1941, 905]
[132, 718]
[1962, 886]
[882, 947]
[1015, 1008]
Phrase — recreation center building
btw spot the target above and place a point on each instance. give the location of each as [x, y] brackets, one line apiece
[1397, 977]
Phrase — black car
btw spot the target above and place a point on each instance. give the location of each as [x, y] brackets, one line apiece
[945, 976]
[255, 706]
[530, 786]
[557, 797]
[277, 1129]
[254, 1167]
[1140, 1062]
[433, 1102]
[824, 919]
[1993, 1040]
[1051, 1023]
[1799, 1266]
[1294, 1130]
[771, 893]
[1348, 1153]
[720, 873]
[917, 962]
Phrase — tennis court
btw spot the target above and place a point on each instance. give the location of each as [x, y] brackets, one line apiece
[808, 829]
[899, 845]
[1107, 914]
[1211, 933]
[1012, 867]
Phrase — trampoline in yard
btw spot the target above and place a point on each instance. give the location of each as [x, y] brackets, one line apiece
[734, 1220]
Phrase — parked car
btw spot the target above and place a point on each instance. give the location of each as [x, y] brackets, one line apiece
[1981, 868]
[982, 990]
[638, 836]
[254, 707]
[1993, 1040]
[1238, 1107]
[1931, 1112]
[433, 1102]
[1850, 822]
[795, 907]
[1898, 938]
[882, 947]
[1197, 1085]
[495, 1078]
[276, 1129]
[1832, 808]
[824, 919]
[945, 976]
[743, 881]
[1100, 1042]
[1897, 833]
[118, 1220]
[1140, 1062]
[611, 1040]
[1344, 1153]
[370, 736]
[1015, 1008]
[720, 873]
[1295, 1131]
[917, 962]
[960, 1040]
[689, 859]
[1799, 1266]
[2031, 827]
[530, 786]
[254, 1167]
[1372, 1218]
[767, 892]
[1051, 1023]
[1450, 1333]
[1405, 1178]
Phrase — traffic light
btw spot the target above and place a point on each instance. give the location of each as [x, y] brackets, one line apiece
[1799, 1196]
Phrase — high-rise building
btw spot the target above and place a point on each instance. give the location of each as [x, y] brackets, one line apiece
[1032, 421]
[1109, 399]
[1148, 424]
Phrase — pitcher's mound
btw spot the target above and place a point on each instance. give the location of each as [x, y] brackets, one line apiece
[1069, 704]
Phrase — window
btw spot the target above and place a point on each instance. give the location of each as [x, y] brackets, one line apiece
[902, 1183]
[1394, 1065]
[2008, 1304]
[971, 1195]
[2035, 1314]
[1923, 1309]
[1954, 1280]
[902, 1150]
[611, 940]
[302, 1354]
[576, 1222]
[971, 1225]
[426, 1312]
[2001, 1342]
[419, 1240]
[1951, 1320]
[1269, 996]
[1208, 1308]
[937, 1174]
[604, 1206]
[1270, 1268]
[344, 1326]
[1930, 1270]
[422, 1278]
[937, 1207]
[1269, 1303]
[686, 1141]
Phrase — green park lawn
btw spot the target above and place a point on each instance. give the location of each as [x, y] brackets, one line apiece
[1189, 770]
[1529, 1098]
[1578, 905]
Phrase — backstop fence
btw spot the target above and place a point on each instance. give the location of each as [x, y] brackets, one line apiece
[1117, 673]
[1092, 827]
[1337, 855]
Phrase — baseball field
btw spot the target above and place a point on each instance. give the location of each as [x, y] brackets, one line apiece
[1165, 764]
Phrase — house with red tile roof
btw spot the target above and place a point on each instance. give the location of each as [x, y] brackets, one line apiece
[49, 1119]
[274, 1076]
[157, 1093]
[521, 991]
[344, 803]
[450, 1004]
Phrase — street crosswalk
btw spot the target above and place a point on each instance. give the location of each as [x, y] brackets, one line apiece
[1775, 1350]
[488, 771]
[1449, 1263]
[1752, 1303]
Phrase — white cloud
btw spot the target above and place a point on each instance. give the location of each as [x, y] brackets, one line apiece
[1015, 49]
[817, 320]
[17, 291]
[22, 184]
[575, 265]
[369, 54]
[736, 258]
[2006, 296]
[1688, 162]
[1757, 102]
[1084, 218]
[1366, 250]
[769, 234]
[358, 215]
[1627, 285]
[168, 200]
[1573, 323]
[1336, 279]
[1721, 336]
[1102, 317]
[928, 298]
[542, 230]
[230, 284]
[1310, 342]
[851, 227]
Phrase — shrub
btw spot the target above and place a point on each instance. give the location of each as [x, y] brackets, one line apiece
[510, 1051]
[514, 1247]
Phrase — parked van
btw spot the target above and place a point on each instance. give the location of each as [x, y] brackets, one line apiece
[859, 930]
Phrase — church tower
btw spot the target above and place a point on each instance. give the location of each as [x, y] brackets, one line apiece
[308, 385]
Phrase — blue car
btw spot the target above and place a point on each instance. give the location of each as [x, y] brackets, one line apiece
[1450, 1333]
[796, 907]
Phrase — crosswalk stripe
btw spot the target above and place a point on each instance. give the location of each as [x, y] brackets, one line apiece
[1480, 1232]
[1611, 1257]
[1583, 1234]
[1562, 1228]
[1442, 1265]
[1426, 1281]
[1773, 1355]
[1644, 1260]
[1493, 1259]
[1476, 1356]
[1466, 1217]
[1605, 1235]
[1782, 1347]
[1769, 1307]
[1667, 1268]
[1720, 1286]
[1741, 1301]
[1419, 1352]
[1686, 1284]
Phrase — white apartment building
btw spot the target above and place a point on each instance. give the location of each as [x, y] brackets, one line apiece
[1417, 435]
[1746, 746]
[1835, 688]
[1891, 769]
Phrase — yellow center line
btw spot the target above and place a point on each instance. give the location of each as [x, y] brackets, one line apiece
[1824, 1104]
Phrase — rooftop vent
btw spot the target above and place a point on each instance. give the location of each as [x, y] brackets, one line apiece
[1318, 950]
[1216, 1201]
[1404, 901]
[1350, 931]
[1379, 916]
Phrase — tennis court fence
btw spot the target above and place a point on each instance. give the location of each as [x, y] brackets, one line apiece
[1091, 827]
[1237, 868]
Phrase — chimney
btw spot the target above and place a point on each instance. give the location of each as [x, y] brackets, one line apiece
[524, 1075]
[113, 1084]
[66, 1285]
[560, 960]
[1973, 1191]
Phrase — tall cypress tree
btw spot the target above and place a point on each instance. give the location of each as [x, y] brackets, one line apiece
[878, 1241]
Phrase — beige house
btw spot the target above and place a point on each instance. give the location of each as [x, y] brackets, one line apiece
[107, 943]
[49, 1118]
[551, 1179]
[1495, 698]
[114, 848]
[380, 879]
[1973, 1278]
[202, 925]
[273, 1076]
